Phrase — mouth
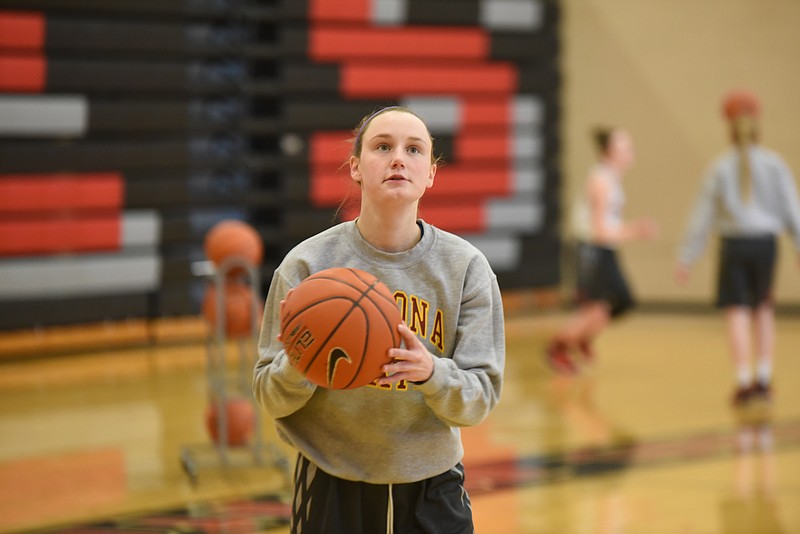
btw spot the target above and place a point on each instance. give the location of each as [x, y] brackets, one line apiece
[395, 178]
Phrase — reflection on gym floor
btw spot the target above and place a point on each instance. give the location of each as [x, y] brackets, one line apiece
[644, 441]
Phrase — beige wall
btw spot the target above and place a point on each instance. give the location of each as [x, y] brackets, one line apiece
[659, 68]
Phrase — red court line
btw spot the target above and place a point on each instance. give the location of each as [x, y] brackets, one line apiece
[60, 235]
[346, 44]
[21, 30]
[366, 80]
[25, 74]
[24, 193]
[339, 10]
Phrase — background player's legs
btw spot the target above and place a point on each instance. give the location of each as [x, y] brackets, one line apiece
[739, 323]
[579, 331]
[765, 346]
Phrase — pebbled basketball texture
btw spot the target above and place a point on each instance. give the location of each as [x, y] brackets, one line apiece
[337, 326]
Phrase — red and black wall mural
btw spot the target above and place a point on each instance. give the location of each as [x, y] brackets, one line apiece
[128, 128]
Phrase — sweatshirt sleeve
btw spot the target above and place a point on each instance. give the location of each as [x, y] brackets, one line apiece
[463, 390]
[701, 222]
[278, 387]
[791, 203]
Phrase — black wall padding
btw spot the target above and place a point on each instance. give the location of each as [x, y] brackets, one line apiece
[27, 314]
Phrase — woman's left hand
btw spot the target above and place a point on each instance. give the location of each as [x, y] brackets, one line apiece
[413, 363]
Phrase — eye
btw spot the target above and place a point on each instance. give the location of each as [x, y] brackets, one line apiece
[414, 150]
[383, 147]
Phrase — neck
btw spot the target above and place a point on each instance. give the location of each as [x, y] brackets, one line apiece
[389, 234]
[614, 166]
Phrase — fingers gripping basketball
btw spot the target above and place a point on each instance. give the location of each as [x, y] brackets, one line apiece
[337, 327]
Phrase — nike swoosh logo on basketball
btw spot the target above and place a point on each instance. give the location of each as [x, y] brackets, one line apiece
[334, 356]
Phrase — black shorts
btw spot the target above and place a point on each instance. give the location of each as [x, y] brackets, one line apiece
[746, 271]
[325, 504]
[600, 279]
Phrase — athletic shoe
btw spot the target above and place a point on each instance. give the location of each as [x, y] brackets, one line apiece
[558, 358]
[741, 396]
[586, 350]
[761, 391]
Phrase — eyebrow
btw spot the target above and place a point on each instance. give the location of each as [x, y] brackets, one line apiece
[388, 136]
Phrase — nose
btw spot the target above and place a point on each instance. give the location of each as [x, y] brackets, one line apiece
[397, 158]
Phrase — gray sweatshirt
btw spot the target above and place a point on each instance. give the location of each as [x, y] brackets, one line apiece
[774, 206]
[449, 296]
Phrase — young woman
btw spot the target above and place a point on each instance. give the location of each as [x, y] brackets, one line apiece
[748, 198]
[387, 457]
[602, 289]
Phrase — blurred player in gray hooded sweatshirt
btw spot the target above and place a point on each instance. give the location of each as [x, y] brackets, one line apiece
[748, 198]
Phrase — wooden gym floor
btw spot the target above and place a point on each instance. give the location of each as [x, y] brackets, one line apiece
[644, 442]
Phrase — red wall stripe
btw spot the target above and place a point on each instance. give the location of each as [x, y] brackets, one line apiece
[21, 30]
[347, 44]
[478, 147]
[359, 80]
[339, 10]
[61, 192]
[329, 147]
[59, 235]
[481, 112]
[455, 217]
[22, 73]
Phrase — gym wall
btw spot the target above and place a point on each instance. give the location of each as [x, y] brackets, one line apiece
[660, 69]
[129, 127]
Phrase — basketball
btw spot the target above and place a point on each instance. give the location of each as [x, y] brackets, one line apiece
[337, 326]
[238, 307]
[231, 238]
[740, 103]
[240, 421]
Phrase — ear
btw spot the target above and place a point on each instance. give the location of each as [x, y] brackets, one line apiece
[355, 170]
[431, 176]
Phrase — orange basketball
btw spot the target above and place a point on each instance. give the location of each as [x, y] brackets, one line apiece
[238, 307]
[337, 326]
[232, 238]
[740, 103]
[239, 421]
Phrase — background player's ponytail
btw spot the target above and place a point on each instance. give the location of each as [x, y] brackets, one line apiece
[741, 109]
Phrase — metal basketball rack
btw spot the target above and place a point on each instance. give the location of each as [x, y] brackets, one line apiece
[219, 454]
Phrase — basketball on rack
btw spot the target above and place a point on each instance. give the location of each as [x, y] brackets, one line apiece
[239, 421]
[232, 238]
[237, 306]
[337, 326]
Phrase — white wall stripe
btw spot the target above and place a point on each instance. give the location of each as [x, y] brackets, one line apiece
[442, 114]
[501, 250]
[512, 15]
[389, 12]
[141, 228]
[43, 115]
[517, 214]
[79, 276]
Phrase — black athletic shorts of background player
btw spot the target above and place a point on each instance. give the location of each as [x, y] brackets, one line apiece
[600, 279]
[746, 271]
[325, 504]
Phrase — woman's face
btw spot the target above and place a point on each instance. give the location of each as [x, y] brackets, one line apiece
[620, 150]
[396, 159]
